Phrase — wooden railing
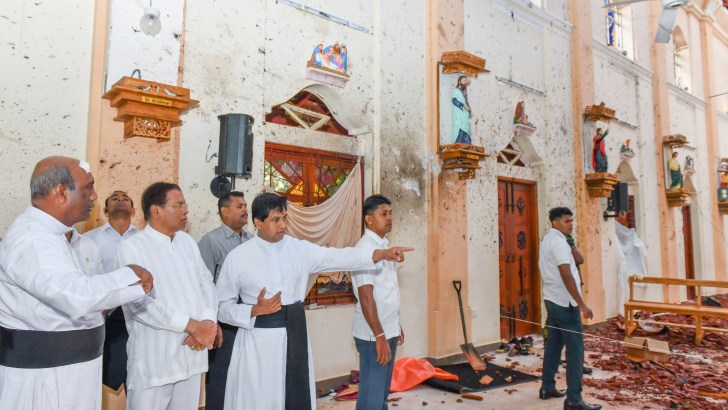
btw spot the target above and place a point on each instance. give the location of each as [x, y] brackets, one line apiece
[698, 311]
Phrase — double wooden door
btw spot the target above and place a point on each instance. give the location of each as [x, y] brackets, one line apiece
[518, 257]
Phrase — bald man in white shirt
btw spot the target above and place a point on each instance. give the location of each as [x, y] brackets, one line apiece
[51, 299]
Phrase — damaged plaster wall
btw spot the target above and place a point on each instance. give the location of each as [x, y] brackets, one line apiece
[133, 164]
[405, 164]
[254, 60]
[542, 62]
[45, 49]
[626, 87]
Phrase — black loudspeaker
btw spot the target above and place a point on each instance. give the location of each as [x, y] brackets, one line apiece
[619, 201]
[235, 155]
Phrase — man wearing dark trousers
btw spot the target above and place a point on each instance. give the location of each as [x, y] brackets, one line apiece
[214, 247]
[119, 209]
[376, 329]
[562, 296]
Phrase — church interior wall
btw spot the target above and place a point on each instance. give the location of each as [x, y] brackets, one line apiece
[246, 57]
[405, 163]
[257, 62]
[45, 49]
[518, 45]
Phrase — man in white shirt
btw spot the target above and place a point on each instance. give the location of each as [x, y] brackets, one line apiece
[562, 297]
[169, 331]
[271, 366]
[376, 328]
[214, 247]
[52, 297]
[119, 209]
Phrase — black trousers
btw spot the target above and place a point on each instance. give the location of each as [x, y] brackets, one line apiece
[114, 361]
[219, 361]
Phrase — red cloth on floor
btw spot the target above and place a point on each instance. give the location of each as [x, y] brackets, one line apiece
[411, 371]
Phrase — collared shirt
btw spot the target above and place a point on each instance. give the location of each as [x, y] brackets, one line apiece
[183, 289]
[555, 251]
[47, 283]
[108, 239]
[216, 244]
[386, 291]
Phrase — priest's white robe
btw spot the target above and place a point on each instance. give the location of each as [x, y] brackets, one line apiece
[257, 373]
[49, 284]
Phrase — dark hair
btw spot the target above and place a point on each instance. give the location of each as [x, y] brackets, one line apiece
[266, 202]
[556, 213]
[226, 198]
[156, 194]
[106, 202]
[372, 203]
[44, 181]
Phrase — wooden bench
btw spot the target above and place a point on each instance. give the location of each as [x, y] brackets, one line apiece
[698, 311]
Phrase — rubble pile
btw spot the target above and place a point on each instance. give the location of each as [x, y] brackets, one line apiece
[692, 376]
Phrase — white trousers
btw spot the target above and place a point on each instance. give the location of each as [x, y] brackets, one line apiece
[184, 394]
[75, 386]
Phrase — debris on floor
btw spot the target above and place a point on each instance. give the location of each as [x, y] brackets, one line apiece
[690, 377]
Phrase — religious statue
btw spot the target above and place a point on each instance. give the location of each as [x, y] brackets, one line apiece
[626, 151]
[676, 177]
[689, 165]
[461, 111]
[723, 167]
[724, 180]
[599, 152]
[521, 117]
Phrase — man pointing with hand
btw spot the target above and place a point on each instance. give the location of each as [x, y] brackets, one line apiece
[271, 366]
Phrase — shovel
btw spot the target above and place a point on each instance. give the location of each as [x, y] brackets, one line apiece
[474, 359]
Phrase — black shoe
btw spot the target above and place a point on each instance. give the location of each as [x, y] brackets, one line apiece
[587, 370]
[547, 394]
[580, 405]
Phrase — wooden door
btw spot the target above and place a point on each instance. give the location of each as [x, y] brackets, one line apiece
[518, 258]
[687, 232]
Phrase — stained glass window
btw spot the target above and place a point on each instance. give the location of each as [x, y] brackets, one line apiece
[308, 177]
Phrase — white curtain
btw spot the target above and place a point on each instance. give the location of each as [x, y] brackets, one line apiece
[337, 222]
[631, 259]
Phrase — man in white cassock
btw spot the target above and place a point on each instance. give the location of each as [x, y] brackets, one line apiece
[271, 366]
[170, 330]
[52, 295]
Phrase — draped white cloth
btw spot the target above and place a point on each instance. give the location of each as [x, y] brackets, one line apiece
[334, 223]
[632, 253]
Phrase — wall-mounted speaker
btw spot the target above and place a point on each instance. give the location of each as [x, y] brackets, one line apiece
[235, 155]
[619, 200]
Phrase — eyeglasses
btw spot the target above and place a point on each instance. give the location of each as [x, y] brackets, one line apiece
[178, 205]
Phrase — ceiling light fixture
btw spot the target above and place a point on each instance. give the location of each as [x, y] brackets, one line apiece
[149, 22]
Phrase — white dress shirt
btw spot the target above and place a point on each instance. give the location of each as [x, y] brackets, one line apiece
[386, 291]
[555, 251]
[183, 290]
[108, 239]
[44, 282]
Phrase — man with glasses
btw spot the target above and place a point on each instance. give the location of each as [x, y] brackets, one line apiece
[168, 332]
